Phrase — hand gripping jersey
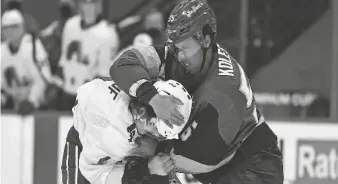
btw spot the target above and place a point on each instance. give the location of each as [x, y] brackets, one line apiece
[224, 113]
[86, 52]
[106, 129]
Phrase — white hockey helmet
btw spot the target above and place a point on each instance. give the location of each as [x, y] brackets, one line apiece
[177, 90]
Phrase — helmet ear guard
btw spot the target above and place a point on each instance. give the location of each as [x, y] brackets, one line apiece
[206, 43]
[204, 38]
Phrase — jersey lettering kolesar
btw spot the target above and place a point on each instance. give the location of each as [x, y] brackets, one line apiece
[224, 113]
[106, 130]
[86, 52]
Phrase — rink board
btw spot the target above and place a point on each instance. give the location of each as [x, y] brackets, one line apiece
[31, 150]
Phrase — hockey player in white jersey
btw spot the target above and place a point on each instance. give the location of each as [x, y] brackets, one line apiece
[110, 127]
[89, 44]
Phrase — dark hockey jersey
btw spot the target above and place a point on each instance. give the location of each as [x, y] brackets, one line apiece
[224, 112]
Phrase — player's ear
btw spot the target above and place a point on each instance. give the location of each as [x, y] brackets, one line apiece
[142, 111]
[206, 42]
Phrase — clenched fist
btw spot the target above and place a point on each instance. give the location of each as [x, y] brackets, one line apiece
[161, 164]
[146, 146]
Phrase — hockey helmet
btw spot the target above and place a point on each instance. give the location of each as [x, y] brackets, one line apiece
[177, 90]
[188, 18]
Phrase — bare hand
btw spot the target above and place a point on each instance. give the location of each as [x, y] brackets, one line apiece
[147, 146]
[165, 107]
[161, 164]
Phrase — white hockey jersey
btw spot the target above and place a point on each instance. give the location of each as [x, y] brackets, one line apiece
[25, 80]
[106, 130]
[86, 53]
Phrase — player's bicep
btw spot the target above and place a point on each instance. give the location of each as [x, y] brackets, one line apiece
[128, 69]
[229, 119]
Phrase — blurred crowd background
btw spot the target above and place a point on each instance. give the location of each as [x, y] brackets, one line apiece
[285, 46]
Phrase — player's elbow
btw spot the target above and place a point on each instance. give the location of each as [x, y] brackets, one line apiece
[115, 70]
[120, 76]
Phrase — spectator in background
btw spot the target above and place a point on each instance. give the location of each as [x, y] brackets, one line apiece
[154, 26]
[89, 43]
[140, 40]
[24, 65]
[31, 25]
[154, 19]
[51, 36]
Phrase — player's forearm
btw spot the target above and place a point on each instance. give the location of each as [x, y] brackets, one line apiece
[135, 70]
[145, 92]
[134, 80]
[229, 121]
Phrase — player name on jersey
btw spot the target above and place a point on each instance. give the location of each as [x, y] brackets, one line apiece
[224, 63]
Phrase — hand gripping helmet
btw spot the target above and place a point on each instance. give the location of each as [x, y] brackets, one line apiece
[189, 18]
[177, 90]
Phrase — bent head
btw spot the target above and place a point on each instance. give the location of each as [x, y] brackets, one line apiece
[191, 30]
[145, 117]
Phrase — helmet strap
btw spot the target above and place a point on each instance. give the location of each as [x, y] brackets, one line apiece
[201, 38]
[204, 57]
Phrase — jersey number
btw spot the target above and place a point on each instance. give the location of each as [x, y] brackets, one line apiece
[113, 89]
[75, 48]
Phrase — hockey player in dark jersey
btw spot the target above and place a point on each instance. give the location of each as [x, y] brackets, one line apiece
[227, 139]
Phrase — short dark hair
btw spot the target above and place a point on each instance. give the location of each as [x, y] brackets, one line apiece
[14, 5]
[136, 103]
